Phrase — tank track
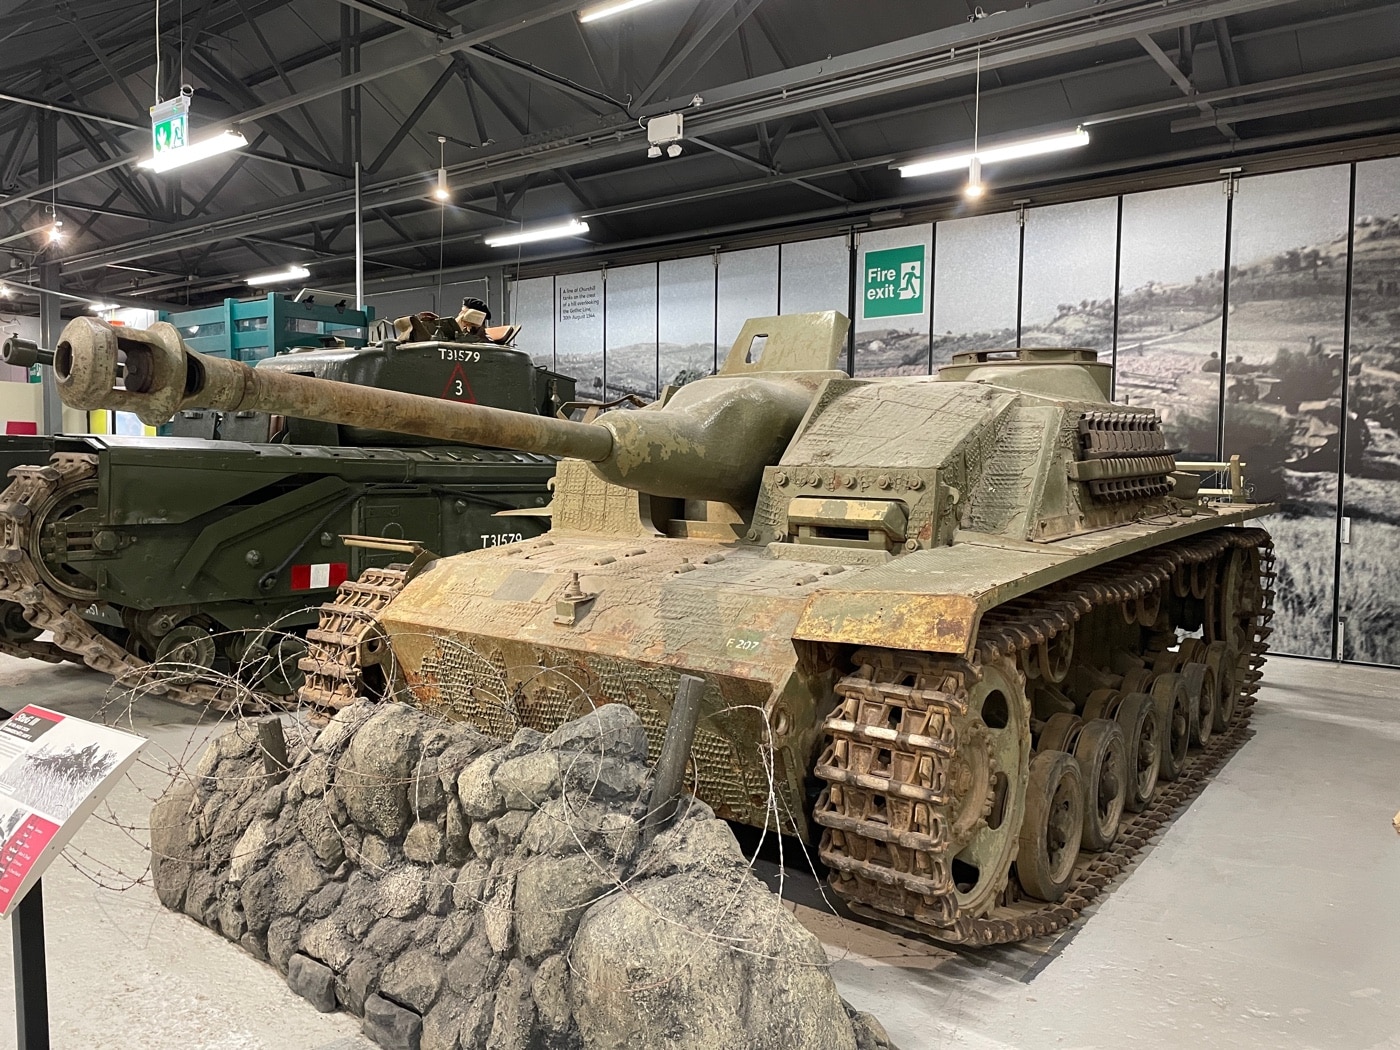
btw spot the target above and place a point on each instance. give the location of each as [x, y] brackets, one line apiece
[889, 859]
[347, 642]
[74, 638]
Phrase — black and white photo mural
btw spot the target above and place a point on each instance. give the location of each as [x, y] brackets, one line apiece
[1171, 301]
[1070, 251]
[893, 295]
[685, 322]
[630, 331]
[532, 307]
[1284, 344]
[1370, 569]
[746, 286]
[976, 284]
[815, 276]
[578, 331]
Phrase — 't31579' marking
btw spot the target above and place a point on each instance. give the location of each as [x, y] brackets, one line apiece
[457, 354]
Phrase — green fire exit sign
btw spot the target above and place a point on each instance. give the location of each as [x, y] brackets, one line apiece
[170, 122]
[892, 283]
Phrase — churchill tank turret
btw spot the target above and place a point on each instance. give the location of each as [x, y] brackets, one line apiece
[973, 634]
[211, 548]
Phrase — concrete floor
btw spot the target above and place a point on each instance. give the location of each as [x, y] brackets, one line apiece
[1265, 916]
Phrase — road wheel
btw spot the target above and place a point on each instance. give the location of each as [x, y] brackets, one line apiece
[1200, 684]
[1137, 716]
[1053, 825]
[1103, 763]
[1174, 721]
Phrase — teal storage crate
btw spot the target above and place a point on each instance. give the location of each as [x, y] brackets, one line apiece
[250, 330]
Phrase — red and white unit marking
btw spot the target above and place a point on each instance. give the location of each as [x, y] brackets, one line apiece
[320, 575]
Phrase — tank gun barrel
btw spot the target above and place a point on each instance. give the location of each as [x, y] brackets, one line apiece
[711, 441]
[162, 376]
[17, 350]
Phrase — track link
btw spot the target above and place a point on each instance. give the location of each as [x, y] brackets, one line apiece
[74, 638]
[348, 642]
[889, 760]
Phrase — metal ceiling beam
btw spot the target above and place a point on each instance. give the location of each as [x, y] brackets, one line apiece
[491, 19]
[1225, 45]
[707, 38]
[754, 163]
[1343, 96]
[72, 111]
[1050, 28]
[411, 121]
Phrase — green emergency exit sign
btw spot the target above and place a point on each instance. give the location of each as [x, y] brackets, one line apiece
[892, 283]
[170, 123]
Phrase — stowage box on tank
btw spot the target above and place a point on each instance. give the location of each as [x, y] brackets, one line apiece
[957, 628]
[215, 547]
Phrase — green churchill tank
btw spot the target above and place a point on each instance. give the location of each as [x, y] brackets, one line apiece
[214, 547]
[973, 635]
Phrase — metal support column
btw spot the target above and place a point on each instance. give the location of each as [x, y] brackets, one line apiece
[50, 320]
[31, 972]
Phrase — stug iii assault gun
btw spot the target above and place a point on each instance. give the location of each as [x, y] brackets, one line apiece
[212, 548]
[971, 632]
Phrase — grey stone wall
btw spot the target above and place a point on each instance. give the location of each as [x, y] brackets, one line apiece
[460, 893]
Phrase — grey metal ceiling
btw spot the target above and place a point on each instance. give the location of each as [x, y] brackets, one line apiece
[794, 111]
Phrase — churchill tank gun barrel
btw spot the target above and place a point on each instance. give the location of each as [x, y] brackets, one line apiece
[16, 350]
[711, 441]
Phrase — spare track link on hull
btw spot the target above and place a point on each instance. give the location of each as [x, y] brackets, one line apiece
[74, 638]
[347, 641]
[887, 841]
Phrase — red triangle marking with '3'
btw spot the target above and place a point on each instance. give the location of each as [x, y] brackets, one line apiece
[458, 388]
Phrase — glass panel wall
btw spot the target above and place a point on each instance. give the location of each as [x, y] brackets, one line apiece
[976, 284]
[1285, 340]
[893, 301]
[1370, 570]
[1171, 303]
[630, 344]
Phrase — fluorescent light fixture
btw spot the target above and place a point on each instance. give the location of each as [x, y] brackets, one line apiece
[611, 7]
[442, 193]
[103, 308]
[291, 273]
[1032, 147]
[573, 228]
[202, 150]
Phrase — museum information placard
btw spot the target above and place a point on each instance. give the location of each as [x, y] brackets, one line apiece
[54, 769]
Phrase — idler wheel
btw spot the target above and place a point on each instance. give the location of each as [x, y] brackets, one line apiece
[1100, 753]
[1137, 716]
[61, 540]
[1200, 683]
[1174, 717]
[1053, 826]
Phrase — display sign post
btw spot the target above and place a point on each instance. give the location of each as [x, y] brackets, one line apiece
[31, 972]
